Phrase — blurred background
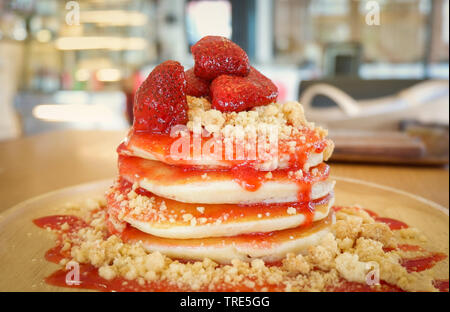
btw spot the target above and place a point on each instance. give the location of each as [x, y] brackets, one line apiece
[378, 67]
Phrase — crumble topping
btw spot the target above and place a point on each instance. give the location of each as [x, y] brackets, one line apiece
[288, 118]
[299, 174]
[355, 246]
[291, 211]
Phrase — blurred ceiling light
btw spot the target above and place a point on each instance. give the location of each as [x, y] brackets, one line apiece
[80, 113]
[19, 34]
[82, 74]
[114, 18]
[208, 18]
[43, 35]
[109, 43]
[108, 74]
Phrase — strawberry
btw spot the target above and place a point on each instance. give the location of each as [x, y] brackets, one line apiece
[196, 86]
[160, 101]
[235, 94]
[215, 56]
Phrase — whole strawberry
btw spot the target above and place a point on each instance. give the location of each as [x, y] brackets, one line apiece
[160, 101]
[235, 94]
[215, 56]
[196, 86]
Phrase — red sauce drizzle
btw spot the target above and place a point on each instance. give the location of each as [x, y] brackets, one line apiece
[408, 247]
[55, 254]
[404, 247]
[308, 212]
[422, 263]
[236, 211]
[307, 142]
[442, 285]
[248, 178]
[55, 222]
[121, 149]
[90, 279]
[371, 213]
[392, 223]
[346, 286]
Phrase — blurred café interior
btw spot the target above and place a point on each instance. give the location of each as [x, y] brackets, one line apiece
[374, 72]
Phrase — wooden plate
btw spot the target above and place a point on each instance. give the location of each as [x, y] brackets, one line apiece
[23, 245]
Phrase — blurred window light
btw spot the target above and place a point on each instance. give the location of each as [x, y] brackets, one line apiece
[46, 7]
[363, 5]
[101, 42]
[71, 97]
[114, 18]
[438, 71]
[445, 22]
[43, 36]
[22, 5]
[425, 6]
[82, 74]
[330, 7]
[19, 34]
[208, 18]
[80, 113]
[19, 31]
[108, 74]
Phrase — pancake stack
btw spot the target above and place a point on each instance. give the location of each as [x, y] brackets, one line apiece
[230, 194]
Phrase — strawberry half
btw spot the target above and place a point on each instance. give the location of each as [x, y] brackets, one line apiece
[196, 86]
[235, 94]
[215, 56]
[160, 101]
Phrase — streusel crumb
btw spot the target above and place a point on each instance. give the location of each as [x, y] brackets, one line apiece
[355, 246]
[288, 118]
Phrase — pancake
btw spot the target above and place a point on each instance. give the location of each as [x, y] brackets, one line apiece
[270, 247]
[229, 139]
[167, 218]
[228, 186]
[139, 146]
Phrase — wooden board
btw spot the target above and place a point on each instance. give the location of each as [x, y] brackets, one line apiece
[419, 147]
[22, 244]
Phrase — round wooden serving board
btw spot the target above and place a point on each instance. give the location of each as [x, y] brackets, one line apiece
[23, 245]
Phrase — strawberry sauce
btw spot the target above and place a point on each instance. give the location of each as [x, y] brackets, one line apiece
[160, 147]
[392, 223]
[133, 169]
[226, 212]
[346, 286]
[442, 285]
[423, 263]
[248, 178]
[258, 240]
[90, 279]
